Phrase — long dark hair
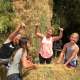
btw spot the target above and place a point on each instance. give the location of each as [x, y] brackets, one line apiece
[23, 41]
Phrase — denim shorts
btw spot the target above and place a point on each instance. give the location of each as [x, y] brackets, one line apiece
[14, 76]
[73, 63]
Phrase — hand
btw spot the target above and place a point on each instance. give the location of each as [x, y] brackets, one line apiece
[65, 65]
[20, 26]
[31, 66]
[36, 26]
[58, 62]
[34, 66]
[61, 29]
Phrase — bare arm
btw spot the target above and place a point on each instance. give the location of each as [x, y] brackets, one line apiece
[62, 54]
[13, 34]
[75, 52]
[38, 34]
[26, 62]
[60, 35]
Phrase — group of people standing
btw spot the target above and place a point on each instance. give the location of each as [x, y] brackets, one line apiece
[13, 52]
[17, 43]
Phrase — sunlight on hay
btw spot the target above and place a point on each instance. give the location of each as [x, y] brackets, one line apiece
[49, 72]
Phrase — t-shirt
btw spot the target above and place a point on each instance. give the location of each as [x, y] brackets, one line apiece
[46, 47]
[7, 49]
[15, 65]
[69, 51]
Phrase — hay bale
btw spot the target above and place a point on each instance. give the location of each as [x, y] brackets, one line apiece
[49, 72]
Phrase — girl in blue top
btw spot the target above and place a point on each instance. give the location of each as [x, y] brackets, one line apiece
[70, 51]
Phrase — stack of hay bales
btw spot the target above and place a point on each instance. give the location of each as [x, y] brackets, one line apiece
[49, 72]
[33, 12]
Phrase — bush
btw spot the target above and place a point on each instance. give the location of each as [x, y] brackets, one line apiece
[6, 15]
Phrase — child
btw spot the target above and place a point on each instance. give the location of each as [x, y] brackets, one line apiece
[46, 52]
[21, 53]
[70, 51]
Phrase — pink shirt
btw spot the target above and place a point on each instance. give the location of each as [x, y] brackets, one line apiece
[46, 47]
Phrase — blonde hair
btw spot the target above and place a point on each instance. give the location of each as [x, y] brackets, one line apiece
[51, 28]
[76, 34]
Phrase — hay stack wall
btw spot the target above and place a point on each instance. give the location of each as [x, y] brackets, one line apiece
[33, 12]
[40, 12]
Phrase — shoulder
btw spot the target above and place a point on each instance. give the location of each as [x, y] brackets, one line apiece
[76, 47]
[18, 53]
[19, 50]
[66, 45]
[7, 41]
[44, 37]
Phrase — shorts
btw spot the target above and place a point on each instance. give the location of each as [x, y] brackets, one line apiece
[73, 63]
[14, 76]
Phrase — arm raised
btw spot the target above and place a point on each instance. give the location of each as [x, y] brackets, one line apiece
[38, 34]
[55, 38]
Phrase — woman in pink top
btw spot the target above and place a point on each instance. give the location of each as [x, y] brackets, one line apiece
[46, 52]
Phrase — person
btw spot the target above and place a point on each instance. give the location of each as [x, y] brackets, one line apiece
[20, 56]
[46, 52]
[70, 51]
[11, 44]
[57, 47]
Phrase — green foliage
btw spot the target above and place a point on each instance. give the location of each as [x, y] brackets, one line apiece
[69, 13]
[6, 13]
[5, 6]
[4, 24]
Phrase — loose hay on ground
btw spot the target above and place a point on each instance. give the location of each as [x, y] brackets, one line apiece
[49, 72]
